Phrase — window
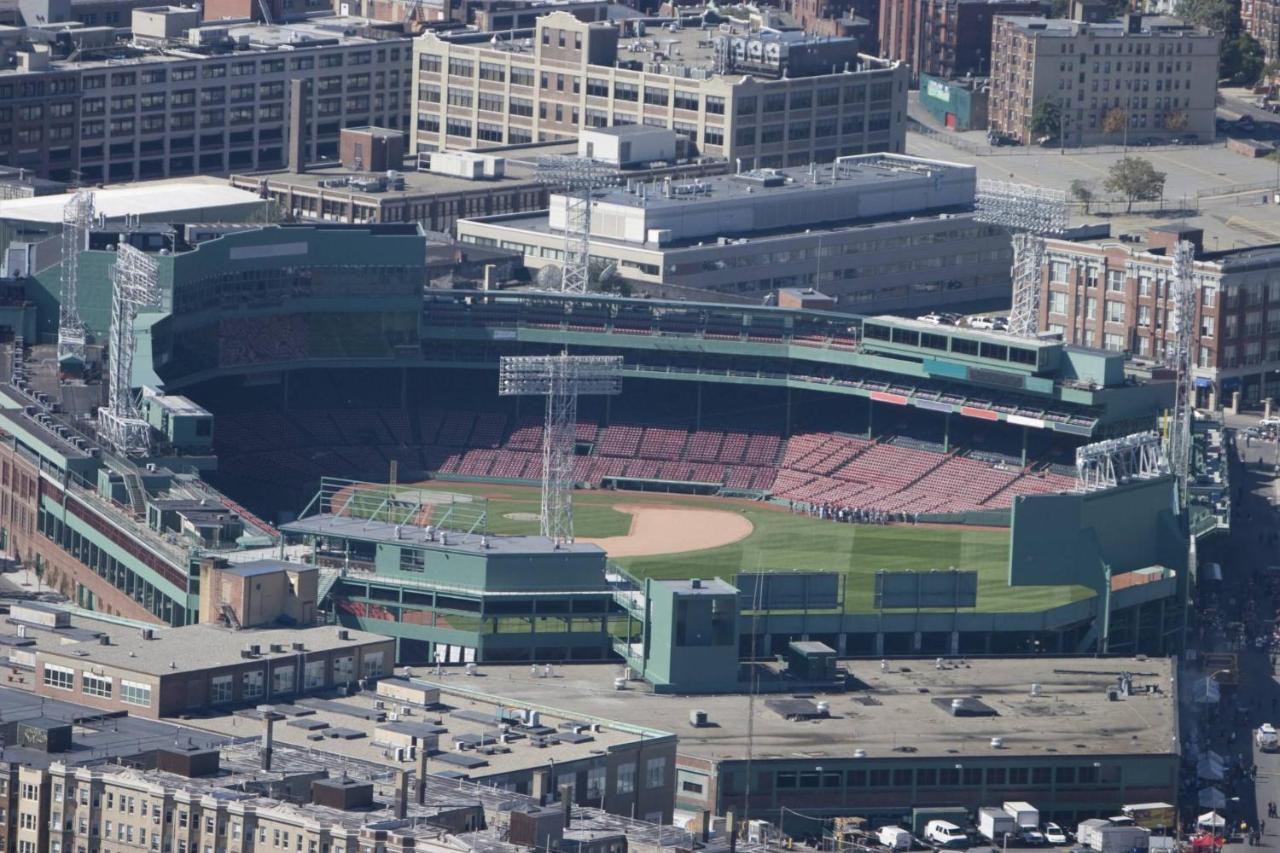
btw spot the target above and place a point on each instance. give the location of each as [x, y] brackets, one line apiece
[1058, 271]
[58, 676]
[251, 684]
[775, 103]
[715, 105]
[1091, 308]
[492, 71]
[94, 685]
[656, 97]
[1115, 281]
[220, 689]
[313, 674]
[282, 679]
[596, 783]
[520, 107]
[372, 664]
[655, 775]
[626, 783]
[1115, 343]
[461, 68]
[343, 670]
[1115, 311]
[626, 91]
[1057, 303]
[136, 693]
[686, 100]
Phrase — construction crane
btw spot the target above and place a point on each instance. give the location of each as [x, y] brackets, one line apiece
[77, 218]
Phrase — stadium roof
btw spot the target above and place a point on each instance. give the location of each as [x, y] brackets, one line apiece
[145, 200]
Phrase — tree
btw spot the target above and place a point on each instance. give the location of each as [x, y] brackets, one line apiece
[1176, 120]
[1241, 60]
[1221, 16]
[1135, 179]
[1082, 191]
[1115, 121]
[1045, 120]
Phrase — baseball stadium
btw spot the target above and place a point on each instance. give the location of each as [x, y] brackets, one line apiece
[874, 483]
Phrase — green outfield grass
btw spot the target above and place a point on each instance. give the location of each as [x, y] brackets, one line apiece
[785, 542]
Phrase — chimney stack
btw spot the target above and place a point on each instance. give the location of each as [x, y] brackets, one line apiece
[402, 794]
[297, 125]
[566, 802]
[269, 721]
[422, 774]
[731, 826]
[706, 825]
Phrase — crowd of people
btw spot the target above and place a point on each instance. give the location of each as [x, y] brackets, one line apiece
[854, 515]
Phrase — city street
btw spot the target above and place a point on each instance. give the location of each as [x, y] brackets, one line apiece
[1249, 598]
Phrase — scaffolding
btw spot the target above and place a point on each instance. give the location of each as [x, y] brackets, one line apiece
[578, 178]
[403, 505]
[1182, 321]
[1116, 461]
[77, 217]
[561, 379]
[1032, 213]
[134, 285]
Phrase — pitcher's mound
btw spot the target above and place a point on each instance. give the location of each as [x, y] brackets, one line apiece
[672, 530]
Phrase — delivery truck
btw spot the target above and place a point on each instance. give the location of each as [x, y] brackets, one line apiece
[1103, 836]
[994, 824]
[1025, 815]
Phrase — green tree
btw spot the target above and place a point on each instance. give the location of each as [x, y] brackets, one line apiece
[1134, 179]
[1115, 121]
[1241, 60]
[1082, 191]
[1221, 16]
[1045, 120]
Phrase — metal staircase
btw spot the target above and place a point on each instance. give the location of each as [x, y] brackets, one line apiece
[137, 495]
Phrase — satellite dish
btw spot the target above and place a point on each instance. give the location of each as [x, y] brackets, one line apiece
[608, 274]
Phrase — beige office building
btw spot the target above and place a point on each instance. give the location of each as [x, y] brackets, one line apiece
[770, 101]
[1137, 80]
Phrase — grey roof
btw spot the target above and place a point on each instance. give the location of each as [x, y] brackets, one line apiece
[474, 543]
[95, 736]
[255, 568]
[715, 586]
[197, 647]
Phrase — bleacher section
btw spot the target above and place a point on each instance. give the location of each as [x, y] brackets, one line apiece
[894, 474]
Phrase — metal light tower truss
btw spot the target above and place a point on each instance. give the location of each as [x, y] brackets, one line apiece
[1182, 320]
[578, 178]
[134, 285]
[1107, 464]
[77, 217]
[561, 379]
[1032, 213]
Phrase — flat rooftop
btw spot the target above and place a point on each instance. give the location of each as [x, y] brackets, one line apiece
[147, 199]
[864, 172]
[207, 646]
[96, 737]
[1064, 27]
[894, 709]
[466, 710]
[332, 178]
[343, 526]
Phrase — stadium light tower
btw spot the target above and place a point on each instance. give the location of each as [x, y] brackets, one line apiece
[77, 217]
[1177, 355]
[1032, 213]
[561, 379]
[1113, 461]
[578, 178]
[134, 285]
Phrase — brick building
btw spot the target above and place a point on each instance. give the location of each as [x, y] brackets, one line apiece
[156, 112]
[945, 38]
[768, 99]
[1116, 296]
[1142, 78]
[1261, 19]
[838, 18]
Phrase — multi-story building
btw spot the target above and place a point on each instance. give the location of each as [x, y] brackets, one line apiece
[877, 232]
[219, 104]
[1130, 80]
[1117, 296]
[1261, 20]
[768, 101]
[945, 38]
[839, 18]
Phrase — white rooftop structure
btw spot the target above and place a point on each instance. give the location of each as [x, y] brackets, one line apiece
[146, 202]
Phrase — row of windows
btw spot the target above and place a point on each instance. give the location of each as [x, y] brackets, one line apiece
[244, 68]
[926, 777]
[63, 678]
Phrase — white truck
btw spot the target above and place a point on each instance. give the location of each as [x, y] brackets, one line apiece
[944, 833]
[994, 824]
[1103, 836]
[1266, 738]
[1025, 815]
[894, 837]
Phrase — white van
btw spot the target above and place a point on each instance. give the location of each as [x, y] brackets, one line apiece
[894, 837]
[1266, 738]
[945, 834]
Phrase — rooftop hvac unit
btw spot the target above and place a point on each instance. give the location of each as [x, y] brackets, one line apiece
[393, 716]
[698, 719]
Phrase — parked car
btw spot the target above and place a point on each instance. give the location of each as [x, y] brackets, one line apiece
[1055, 834]
[1266, 738]
[982, 323]
[1032, 837]
[935, 319]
